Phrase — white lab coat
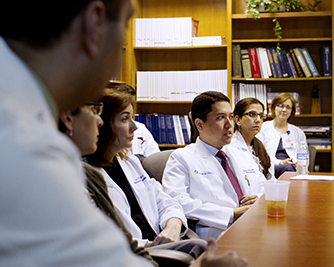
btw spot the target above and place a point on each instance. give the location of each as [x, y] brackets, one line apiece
[156, 205]
[270, 138]
[197, 180]
[46, 216]
[239, 142]
[143, 142]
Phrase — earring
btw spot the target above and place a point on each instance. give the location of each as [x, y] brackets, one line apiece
[71, 133]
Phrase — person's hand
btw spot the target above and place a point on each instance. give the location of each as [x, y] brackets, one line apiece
[227, 259]
[239, 211]
[289, 162]
[248, 200]
[171, 233]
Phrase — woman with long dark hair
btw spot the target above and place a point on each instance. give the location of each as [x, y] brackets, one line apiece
[248, 116]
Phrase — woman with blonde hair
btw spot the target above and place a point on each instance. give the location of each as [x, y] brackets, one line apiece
[280, 138]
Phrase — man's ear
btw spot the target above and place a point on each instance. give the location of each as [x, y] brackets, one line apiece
[67, 119]
[199, 124]
[93, 19]
[237, 120]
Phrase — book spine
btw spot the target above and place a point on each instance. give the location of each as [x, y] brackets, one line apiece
[326, 61]
[170, 129]
[271, 63]
[276, 62]
[309, 62]
[262, 71]
[287, 64]
[162, 130]
[236, 61]
[296, 63]
[292, 66]
[246, 66]
[184, 129]
[302, 62]
[178, 130]
[256, 73]
[285, 72]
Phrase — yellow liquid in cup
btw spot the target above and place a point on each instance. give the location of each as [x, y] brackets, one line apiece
[276, 208]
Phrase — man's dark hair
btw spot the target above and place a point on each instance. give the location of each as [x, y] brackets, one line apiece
[40, 23]
[202, 104]
[122, 87]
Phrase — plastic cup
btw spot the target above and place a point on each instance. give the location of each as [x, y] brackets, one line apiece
[276, 196]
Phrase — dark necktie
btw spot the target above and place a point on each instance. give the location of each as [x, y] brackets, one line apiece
[230, 174]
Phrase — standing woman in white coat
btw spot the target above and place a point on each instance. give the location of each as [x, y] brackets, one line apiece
[280, 138]
[152, 217]
[248, 116]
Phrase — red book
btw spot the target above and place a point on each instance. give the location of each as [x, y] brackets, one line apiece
[254, 61]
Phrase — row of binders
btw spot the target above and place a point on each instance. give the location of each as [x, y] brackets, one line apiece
[169, 32]
[261, 62]
[261, 92]
[179, 85]
[243, 90]
[167, 129]
[158, 32]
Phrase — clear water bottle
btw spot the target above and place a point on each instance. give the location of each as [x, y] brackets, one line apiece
[302, 159]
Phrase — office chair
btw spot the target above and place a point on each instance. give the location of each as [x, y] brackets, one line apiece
[312, 154]
[154, 165]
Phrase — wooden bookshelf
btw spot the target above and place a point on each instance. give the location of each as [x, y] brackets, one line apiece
[299, 29]
[226, 18]
[212, 17]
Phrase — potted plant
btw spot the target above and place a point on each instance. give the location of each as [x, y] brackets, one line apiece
[254, 7]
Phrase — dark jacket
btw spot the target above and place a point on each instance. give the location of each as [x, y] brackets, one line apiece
[98, 191]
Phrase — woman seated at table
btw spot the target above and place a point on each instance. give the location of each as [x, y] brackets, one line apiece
[152, 216]
[280, 138]
[248, 117]
[82, 127]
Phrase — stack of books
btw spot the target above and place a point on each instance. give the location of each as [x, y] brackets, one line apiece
[179, 85]
[260, 62]
[159, 32]
[318, 136]
[167, 129]
[243, 90]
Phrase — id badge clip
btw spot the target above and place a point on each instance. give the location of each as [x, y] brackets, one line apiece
[287, 141]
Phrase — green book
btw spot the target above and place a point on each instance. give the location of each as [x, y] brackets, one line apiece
[246, 67]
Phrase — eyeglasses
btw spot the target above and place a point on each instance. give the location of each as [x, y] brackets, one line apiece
[282, 106]
[253, 115]
[97, 108]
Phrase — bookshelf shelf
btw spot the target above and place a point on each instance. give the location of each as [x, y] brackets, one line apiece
[326, 150]
[182, 47]
[283, 40]
[288, 15]
[284, 79]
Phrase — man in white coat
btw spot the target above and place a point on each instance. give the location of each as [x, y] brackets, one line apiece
[194, 174]
[51, 61]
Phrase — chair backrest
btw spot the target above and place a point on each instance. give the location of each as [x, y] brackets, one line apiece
[155, 164]
[193, 129]
[312, 154]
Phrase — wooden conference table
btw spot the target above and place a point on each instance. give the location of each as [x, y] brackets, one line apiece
[304, 237]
